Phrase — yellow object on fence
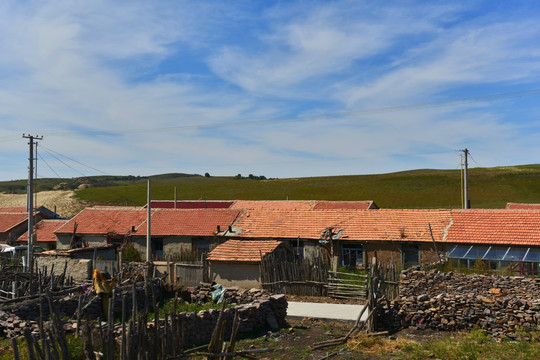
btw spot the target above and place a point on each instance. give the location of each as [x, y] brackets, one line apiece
[102, 287]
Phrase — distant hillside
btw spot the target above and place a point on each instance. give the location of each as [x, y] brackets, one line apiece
[488, 188]
[19, 186]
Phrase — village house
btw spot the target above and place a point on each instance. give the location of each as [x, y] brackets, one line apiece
[98, 226]
[355, 235]
[179, 231]
[14, 221]
[44, 233]
[236, 262]
[501, 240]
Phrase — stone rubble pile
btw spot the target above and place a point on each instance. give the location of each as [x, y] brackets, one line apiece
[451, 301]
[263, 314]
[201, 294]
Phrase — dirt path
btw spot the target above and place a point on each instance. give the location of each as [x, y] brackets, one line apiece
[66, 204]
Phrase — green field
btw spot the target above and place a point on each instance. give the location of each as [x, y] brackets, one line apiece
[488, 188]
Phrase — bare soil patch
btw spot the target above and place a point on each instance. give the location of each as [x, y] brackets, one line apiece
[66, 205]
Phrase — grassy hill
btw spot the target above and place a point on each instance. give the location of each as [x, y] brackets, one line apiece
[488, 188]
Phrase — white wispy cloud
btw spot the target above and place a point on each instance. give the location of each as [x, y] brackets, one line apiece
[150, 72]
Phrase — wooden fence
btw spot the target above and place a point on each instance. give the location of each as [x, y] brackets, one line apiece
[347, 285]
[301, 277]
[191, 274]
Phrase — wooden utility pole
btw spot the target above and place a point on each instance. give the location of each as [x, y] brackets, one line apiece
[467, 204]
[30, 202]
[30, 197]
[148, 226]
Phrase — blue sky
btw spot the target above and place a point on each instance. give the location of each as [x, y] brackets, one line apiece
[274, 88]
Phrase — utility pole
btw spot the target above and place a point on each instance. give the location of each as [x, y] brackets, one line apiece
[467, 204]
[148, 227]
[30, 201]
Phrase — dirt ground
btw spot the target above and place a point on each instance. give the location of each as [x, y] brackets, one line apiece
[66, 205]
[298, 339]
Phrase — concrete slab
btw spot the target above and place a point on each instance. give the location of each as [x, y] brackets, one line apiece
[346, 312]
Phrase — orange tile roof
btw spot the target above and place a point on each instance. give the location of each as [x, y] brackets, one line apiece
[519, 227]
[301, 205]
[13, 209]
[44, 231]
[521, 206]
[274, 204]
[353, 205]
[105, 220]
[242, 250]
[382, 225]
[10, 220]
[195, 222]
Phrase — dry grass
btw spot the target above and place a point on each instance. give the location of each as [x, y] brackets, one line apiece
[378, 344]
[66, 204]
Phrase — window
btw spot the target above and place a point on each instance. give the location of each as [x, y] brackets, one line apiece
[524, 260]
[411, 255]
[158, 248]
[352, 255]
[477, 252]
[200, 247]
[459, 251]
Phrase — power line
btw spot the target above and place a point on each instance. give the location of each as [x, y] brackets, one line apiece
[78, 162]
[434, 104]
[72, 168]
[49, 166]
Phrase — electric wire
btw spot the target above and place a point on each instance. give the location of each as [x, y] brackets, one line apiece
[72, 168]
[49, 166]
[78, 162]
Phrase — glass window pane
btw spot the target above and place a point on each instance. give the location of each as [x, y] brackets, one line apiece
[411, 256]
[533, 255]
[515, 254]
[477, 252]
[496, 253]
[353, 255]
[459, 251]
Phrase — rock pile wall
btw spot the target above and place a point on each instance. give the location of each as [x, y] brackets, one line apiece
[451, 301]
[233, 295]
[259, 315]
[257, 311]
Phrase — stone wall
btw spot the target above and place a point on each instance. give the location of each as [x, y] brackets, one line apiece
[264, 312]
[260, 315]
[79, 269]
[451, 301]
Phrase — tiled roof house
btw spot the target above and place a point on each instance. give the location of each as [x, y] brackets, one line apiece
[236, 262]
[14, 221]
[45, 233]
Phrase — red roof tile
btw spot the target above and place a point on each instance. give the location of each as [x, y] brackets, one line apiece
[382, 225]
[521, 206]
[44, 231]
[352, 205]
[13, 209]
[520, 227]
[105, 220]
[195, 222]
[242, 250]
[10, 220]
[274, 204]
[191, 204]
[302, 205]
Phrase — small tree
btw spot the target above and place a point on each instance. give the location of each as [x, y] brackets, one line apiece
[206, 175]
